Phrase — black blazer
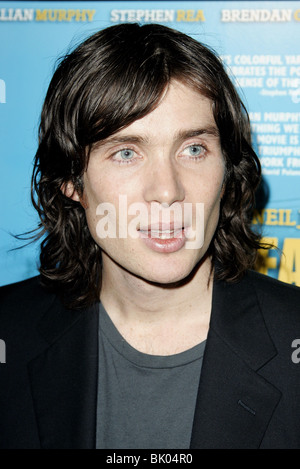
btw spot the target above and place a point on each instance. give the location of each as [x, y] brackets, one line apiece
[249, 391]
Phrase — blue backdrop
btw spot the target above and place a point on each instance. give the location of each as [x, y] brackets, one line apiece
[259, 43]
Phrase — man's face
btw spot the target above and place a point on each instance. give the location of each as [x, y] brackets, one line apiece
[170, 159]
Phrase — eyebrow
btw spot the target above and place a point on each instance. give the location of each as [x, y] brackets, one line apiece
[181, 135]
[209, 130]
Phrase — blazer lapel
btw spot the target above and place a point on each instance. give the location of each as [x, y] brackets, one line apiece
[235, 403]
[64, 379]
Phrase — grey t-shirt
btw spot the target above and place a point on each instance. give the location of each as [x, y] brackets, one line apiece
[144, 401]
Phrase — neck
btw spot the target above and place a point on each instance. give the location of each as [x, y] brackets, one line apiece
[139, 308]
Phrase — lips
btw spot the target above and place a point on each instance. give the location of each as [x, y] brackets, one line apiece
[162, 230]
[167, 238]
[162, 233]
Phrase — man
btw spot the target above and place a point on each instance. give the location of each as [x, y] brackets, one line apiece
[146, 328]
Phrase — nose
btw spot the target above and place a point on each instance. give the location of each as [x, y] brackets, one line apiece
[164, 183]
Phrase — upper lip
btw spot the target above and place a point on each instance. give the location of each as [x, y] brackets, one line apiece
[162, 227]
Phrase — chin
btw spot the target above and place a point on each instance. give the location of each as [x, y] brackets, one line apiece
[171, 276]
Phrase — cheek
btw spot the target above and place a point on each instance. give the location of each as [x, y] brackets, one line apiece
[107, 185]
[97, 189]
[212, 200]
[105, 212]
[218, 186]
[211, 188]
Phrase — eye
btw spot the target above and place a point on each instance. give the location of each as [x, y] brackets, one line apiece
[125, 154]
[194, 151]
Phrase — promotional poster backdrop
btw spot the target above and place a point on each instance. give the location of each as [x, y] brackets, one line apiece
[259, 41]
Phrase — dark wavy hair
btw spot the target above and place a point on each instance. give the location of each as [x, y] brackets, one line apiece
[114, 77]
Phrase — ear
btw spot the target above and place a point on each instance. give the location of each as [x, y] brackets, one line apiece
[69, 190]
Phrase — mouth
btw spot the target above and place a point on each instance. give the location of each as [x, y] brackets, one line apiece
[162, 234]
[163, 239]
[162, 230]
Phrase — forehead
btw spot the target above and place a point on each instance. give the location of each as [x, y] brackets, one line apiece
[180, 108]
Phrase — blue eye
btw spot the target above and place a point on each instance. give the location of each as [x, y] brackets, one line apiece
[126, 154]
[195, 150]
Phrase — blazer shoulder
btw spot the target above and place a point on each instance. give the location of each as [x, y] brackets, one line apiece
[266, 285]
[27, 297]
[24, 288]
[279, 301]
